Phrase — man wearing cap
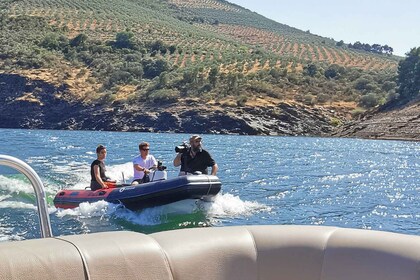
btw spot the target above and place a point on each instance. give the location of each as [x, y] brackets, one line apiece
[195, 158]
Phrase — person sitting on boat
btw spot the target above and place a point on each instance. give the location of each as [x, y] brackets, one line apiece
[143, 163]
[194, 158]
[97, 170]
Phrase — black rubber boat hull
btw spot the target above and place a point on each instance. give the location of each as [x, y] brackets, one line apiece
[136, 197]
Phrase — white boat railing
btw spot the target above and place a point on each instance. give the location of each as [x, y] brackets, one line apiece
[24, 168]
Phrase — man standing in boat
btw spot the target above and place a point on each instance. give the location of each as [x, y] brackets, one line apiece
[194, 158]
[143, 163]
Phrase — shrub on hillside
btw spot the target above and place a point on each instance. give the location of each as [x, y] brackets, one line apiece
[308, 99]
[54, 41]
[310, 70]
[135, 69]
[369, 100]
[79, 41]
[357, 112]
[322, 98]
[163, 96]
[242, 99]
[124, 40]
[392, 95]
[213, 75]
[389, 85]
[334, 71]
[153, 68]
[335, 122]
[261, 87]
[364, 83]
[119, 77]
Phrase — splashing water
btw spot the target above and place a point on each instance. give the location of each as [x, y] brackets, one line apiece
[229, 205]
[89, 210]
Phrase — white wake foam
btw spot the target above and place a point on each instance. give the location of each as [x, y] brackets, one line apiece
[227, 204]
[17, 205]
[5, 235]
[4, 197]
[88, 210]
[14, 185]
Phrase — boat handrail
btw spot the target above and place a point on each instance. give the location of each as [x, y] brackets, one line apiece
[24, 168]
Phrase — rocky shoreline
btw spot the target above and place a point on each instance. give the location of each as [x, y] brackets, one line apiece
[39, 105]
[35, 104]
[401, 123]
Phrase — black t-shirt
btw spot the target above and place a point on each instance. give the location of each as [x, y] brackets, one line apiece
[102, 170]
[200, 162]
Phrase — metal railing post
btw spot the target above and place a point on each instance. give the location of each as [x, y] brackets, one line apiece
[24, 168]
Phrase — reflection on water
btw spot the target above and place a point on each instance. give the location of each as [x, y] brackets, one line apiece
[266, 180]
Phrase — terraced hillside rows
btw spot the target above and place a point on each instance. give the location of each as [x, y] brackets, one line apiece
[166, 50]
[103, 19]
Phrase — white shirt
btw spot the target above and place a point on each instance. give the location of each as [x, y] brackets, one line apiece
[145, 163]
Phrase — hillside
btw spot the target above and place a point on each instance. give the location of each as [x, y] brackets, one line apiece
[386, 123]
[236, 70]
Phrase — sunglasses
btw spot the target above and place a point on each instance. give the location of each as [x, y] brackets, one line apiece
[145, 149]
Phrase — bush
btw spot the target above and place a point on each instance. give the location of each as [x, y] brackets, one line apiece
[357, 112]
[163, 96]
[124, 40]
[369, 100]
[392, 95]
[389, 85]
[335, 122]
[322, 98]
[153, 68]
[135, 69]
[308, 99]
[79, 40]
[54, 42]
[241, 101]
[310, 70]
[119, 77]
[364, 83]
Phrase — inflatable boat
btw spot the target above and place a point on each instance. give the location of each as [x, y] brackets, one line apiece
[154, 193]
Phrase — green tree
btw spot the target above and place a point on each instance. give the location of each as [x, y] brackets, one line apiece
[340, 44]
[163, 96]
[364, 83]
[389, 85]
[334, 71]
[232, 81]
[310, 70]
[158, 46]
[369, 100]
[124, 40]
[190, 76]
[54, 41]
[213, 75]
[409, 75]
[79, 40]
[163, 80]
[153, 68]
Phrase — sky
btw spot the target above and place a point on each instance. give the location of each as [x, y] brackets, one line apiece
[393, 23]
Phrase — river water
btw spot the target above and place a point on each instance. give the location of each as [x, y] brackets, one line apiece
[351, 183]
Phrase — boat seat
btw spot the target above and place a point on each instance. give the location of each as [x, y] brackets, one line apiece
[220, 253]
